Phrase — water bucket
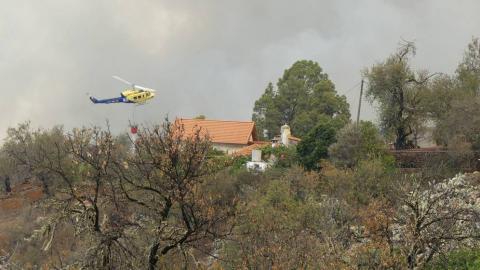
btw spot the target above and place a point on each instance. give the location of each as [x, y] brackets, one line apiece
[133, 129]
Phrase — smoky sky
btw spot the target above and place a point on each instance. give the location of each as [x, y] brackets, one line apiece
[204, 57]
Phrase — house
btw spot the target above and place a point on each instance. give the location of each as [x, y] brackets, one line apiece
[227, 136]
[234, 137]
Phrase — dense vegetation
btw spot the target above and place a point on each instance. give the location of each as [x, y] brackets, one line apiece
[336, 201]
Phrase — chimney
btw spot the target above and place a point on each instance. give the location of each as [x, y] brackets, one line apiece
[285, 134]
[256, 155]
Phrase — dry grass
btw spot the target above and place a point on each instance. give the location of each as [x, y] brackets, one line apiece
[13, 207]
[7, 205]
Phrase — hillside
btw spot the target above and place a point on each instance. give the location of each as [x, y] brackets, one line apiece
[17, 215]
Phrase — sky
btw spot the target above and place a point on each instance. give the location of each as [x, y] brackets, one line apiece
[204, 57]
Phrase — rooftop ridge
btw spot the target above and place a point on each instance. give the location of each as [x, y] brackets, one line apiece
[214, 120]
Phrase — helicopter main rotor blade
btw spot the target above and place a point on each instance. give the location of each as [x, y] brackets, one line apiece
[144, 88]
[122, 80]
[133, 85]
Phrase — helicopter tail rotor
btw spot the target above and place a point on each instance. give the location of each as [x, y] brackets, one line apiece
[92, 98]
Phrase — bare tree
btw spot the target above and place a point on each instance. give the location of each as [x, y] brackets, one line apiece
[85, 197]
[128, 207]
[168, 177]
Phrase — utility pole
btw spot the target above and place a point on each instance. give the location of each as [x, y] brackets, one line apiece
[360, 102]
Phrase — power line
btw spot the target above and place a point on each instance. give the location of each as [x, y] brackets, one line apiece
[353, 87]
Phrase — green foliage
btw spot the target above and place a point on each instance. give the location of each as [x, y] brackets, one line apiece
[200, 116]
[468, 71]
[25, 152]
[456, 260]
[314, 146]
[442, 91]
[212, 152]
[453, 104]
[370, 179]
[373, 179]
[455, 123]
[279, 229]
[304, 94]
[283, 157]
[239, 162]
[124, 141]
[356, 142]
[459, 100]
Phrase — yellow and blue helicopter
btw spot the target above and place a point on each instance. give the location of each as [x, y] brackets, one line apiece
[137, 95]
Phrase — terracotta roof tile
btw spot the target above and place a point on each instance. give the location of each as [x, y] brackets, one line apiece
[247, 150]
[219, 131]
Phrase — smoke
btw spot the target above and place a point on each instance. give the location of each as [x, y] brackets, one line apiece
[204, 57]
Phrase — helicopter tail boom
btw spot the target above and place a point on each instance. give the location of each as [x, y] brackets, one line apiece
[94, 100]
[109, 100]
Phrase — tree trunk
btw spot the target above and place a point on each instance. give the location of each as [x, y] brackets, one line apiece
[8, 188]
[411, 261]
[400, 141]
[152, 257]
[45, 188]
[401, 136]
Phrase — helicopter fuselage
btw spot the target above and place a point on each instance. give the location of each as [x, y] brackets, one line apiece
[136, 96]
[127, 96]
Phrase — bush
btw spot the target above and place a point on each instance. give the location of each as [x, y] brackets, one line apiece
[283, 157]
[460, 259]
[356, 143]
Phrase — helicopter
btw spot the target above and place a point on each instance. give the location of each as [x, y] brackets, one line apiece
[137, 94]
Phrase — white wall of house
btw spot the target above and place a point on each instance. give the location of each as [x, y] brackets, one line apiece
[227, 147]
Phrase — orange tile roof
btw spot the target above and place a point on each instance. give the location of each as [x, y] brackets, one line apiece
[247, 150]
[219, 131]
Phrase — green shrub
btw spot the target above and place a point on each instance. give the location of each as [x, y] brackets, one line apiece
[468, 259]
